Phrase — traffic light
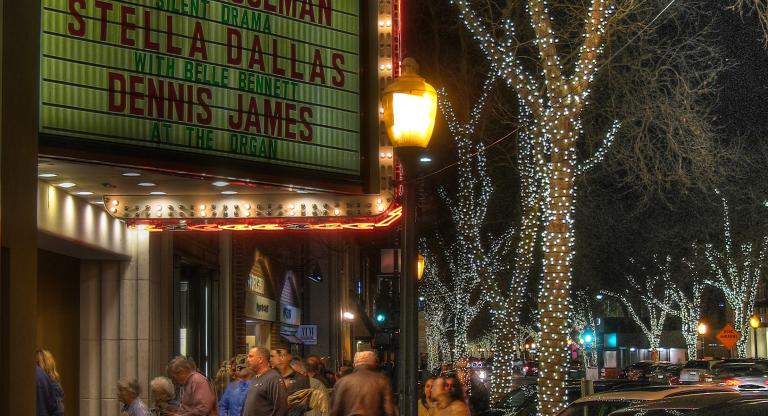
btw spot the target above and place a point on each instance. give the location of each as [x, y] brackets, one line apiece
[381, 317]
[588, 337]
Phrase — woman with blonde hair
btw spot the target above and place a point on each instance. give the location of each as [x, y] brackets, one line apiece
[49, 394]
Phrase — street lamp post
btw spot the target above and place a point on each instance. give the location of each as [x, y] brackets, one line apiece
[701, 328]
[410, 106]
[754, 322]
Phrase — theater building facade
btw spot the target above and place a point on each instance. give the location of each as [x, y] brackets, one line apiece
[208, 176]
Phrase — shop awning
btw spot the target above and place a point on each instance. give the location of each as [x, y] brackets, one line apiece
[291, 339]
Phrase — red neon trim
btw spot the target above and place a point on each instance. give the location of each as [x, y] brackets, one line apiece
[204, 227]
[235, 227]
[392, 217]
[360, 226]
[267, 227]
[329, 226]
[364, 223]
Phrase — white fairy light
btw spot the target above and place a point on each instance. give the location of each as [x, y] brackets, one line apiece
[737, 274]
[656, 309]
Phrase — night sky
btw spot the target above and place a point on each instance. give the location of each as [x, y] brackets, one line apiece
[603, 250]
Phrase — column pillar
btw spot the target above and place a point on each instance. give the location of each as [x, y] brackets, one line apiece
[90, 338]
[225, 316]
[110, 336]
[160, 320]
[20, 37]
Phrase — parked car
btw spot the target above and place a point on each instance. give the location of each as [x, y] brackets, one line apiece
[575, 371]
[677, 405]
[602, 404]
[632, 371]
[530, 369]
[693, 371]
[742, 376]
[745, 406]
[666, 374]
[644, 371]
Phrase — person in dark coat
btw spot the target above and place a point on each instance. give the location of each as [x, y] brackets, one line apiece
[365, 392]
[267, 395]
[49, 395]
[46, 392]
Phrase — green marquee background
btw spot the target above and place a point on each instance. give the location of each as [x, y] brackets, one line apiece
[74, 87]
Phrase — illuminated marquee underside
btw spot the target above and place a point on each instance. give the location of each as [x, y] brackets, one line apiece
[251, 213]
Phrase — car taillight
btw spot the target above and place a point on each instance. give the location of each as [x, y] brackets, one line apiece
[731, 382]
[674, 380]
[525, 369]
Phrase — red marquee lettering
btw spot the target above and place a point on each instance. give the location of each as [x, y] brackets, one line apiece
[78, 30]
[198, 43]
[116, 96]
[337, 60]
[126, 26]
[105, 8]
[234, 53]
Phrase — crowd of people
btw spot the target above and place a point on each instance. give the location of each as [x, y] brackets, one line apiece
[265, 382]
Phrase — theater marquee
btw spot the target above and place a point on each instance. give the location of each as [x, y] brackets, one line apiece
[270, 81]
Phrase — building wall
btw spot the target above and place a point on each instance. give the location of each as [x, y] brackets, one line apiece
[125, 321]
[111, 303]
[19, 78]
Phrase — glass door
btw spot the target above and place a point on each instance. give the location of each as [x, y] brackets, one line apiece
[193, 316]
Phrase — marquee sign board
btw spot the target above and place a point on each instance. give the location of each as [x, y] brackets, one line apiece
[270, 81]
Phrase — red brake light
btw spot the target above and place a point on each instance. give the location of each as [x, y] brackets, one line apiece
[731, 382]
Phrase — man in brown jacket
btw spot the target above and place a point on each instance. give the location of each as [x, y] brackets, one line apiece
[365, 392]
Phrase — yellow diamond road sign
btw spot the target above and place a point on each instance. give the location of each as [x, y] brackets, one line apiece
[728, 336]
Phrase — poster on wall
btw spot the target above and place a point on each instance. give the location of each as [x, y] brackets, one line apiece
[274, 82]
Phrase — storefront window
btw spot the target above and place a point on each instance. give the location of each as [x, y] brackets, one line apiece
[258, 334]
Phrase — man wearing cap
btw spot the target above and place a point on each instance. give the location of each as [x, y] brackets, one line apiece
[365, 392]
[267, 395]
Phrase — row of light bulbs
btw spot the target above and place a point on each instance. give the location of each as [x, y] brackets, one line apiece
[204, 210]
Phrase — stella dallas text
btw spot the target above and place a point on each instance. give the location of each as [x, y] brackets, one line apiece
[176, 76]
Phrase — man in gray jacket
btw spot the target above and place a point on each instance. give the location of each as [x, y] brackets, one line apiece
[365, 392]
[267, 395]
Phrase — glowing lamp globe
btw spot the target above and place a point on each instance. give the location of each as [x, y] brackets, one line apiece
[754, 321]
[701, 328]
[410, 107]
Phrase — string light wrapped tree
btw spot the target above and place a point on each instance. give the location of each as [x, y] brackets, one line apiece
[437, 316]
[655, 299]
[474, 259]
[553, 103]
[737, 274]
[686, 303]
[583, 317]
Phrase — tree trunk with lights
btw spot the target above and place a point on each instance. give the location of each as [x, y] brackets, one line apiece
[554, 304]
[508, 305]
[553, 105]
